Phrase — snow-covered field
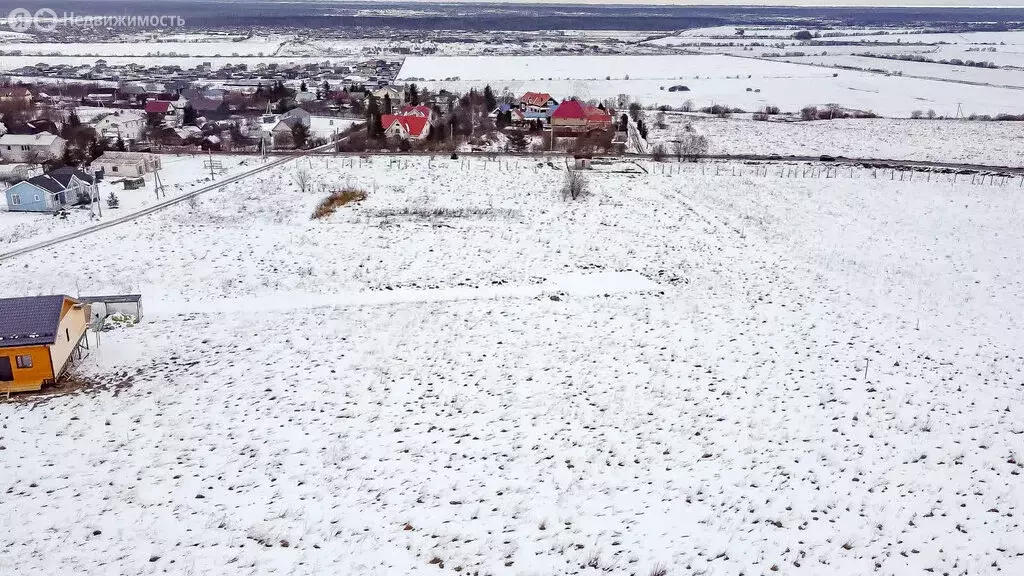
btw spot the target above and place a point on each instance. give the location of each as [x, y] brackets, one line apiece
[464, 373]
[992, 143]
[746, 83]
[994, 76]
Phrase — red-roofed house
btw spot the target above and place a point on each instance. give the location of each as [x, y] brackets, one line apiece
[572, 116]
[537, 102]
[597, 119]
[158, 107]
[422, 111]
[399, 126]
[168, 112]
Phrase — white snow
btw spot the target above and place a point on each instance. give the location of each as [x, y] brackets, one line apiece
[743, 82]
[715, 374]
[962, 141]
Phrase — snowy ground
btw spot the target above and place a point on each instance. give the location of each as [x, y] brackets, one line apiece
[747, 83]
[993, 143]
[465, 373]
[180, 174]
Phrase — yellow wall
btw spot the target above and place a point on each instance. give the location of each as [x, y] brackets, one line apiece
[72, 326]
[27, 378]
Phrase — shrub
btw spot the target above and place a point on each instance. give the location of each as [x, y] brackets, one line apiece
[113, 201]
[337, 199]
[658, 152]
[575, 186]
[690, 147]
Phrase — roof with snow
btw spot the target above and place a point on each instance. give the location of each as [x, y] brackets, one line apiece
[40, 139]
[29, 320]
[64, 175]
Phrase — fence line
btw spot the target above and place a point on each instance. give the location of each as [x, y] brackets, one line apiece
[719, 169]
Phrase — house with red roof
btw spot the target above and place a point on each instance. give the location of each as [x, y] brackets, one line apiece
[575, 117]
[159, 107]
[409, 127]
[167, 112]
[422, 111]
[537, 102]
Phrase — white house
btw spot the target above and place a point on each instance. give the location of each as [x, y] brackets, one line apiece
[126, 164]
[128, 125]
[32, 148]
[405, 127]
[396, 95]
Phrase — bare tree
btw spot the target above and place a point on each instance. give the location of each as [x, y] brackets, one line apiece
[302, 177]
[575, 186]
[679, 150]
[690, 146]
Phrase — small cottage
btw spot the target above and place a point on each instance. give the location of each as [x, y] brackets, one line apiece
[114, 163]
[50, 191]
[40, 338]
[31, 148]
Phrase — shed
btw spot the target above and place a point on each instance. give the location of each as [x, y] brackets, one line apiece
[583, 161]
[40, 338]
[103, 306]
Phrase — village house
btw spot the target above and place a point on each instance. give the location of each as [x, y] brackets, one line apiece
[167, 112]
[405, 127]
[518, 117]
[574, 117]
[32, 148]
[127, 125]
[50, 191]
[537, 105]
[396, 95]
[422, 111]
[40, 338]
[126, 164]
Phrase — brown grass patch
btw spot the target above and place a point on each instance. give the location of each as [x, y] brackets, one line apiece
[337, 199]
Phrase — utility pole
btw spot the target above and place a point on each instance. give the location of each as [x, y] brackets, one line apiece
[158, 186]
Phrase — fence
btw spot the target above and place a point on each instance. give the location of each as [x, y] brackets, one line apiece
[775, 170]
[768, 169]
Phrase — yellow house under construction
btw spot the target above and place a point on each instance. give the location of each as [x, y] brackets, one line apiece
[40, 338]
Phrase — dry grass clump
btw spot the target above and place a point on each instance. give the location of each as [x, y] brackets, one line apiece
[337, 199]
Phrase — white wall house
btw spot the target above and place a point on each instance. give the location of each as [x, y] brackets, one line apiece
[31, 148]
[125, 164]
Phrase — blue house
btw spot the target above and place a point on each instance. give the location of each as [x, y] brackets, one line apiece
[50, 192]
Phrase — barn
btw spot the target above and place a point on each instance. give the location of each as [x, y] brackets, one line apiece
[40, 338]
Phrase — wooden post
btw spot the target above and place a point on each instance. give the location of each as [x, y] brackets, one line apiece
[867, 362]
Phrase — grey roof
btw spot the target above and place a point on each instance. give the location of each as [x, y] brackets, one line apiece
[113, 298]
[64, 174]
[46, 183]
[29, 320]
